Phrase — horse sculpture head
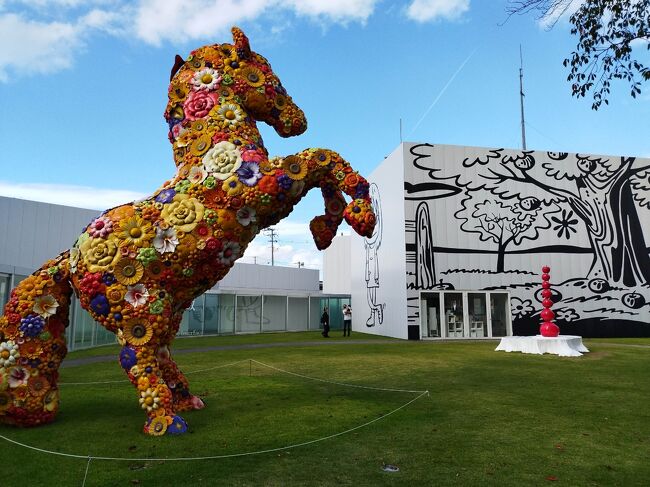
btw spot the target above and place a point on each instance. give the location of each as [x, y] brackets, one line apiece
[227, 85]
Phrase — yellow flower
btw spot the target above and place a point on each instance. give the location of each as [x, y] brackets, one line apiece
[229, 113]
[201, 145]
[5, 401]
[99, 253]
[137, 332]
[158, 426]
[128, 271]
[183, 212]
[135, 231]
[232, 186]
[295, 167]
[253, 76]
[51, 400]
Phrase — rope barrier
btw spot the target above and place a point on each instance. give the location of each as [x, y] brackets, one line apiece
[232, 455]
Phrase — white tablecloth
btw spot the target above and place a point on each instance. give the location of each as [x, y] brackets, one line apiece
[562, 345]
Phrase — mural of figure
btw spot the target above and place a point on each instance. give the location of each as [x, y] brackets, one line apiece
[372, 245]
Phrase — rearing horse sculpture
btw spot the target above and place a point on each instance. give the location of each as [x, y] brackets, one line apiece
[138, 266]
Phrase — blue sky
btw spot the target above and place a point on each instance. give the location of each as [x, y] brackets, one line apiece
[83, 85]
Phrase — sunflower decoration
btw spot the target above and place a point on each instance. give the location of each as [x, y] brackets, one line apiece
[253, 76]
[38, 385]
[135, 231]
[5, 401]
[200, 145]
[157, 426]
[137, 332]
[233, 186]
[128, 271]
[295, 167]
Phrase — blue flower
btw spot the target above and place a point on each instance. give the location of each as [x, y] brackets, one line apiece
[284, 181]
[32, 325]
[127, 358]
[249, 173]
[165, 196]
[178, 426]
[108, 278]
[99, 305]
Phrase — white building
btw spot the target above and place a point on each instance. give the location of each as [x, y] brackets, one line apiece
[463, 233]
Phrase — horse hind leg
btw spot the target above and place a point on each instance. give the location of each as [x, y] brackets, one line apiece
[32, 345]
[182, 399]
[143, 358]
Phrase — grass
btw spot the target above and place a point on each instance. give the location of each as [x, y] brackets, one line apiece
[491, 419]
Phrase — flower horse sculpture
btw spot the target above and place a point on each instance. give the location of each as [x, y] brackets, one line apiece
[138, 266]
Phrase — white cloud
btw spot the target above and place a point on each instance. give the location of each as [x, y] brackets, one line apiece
[33, 47]
[69, 195]
[336, 10]
[36, 47]
[430, 10]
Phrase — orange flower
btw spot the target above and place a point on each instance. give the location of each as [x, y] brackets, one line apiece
[268, 184]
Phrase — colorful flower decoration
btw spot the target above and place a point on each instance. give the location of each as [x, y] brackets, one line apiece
[136, 267]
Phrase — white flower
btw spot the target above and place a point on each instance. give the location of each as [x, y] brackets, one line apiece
[197, 175]
[246, 215]
[206, 79]
[8, 354]
[136, 295]
[230, 113]
[229, 253]
[18, 376]
[165, 240]
[45, 306]
[73, 259]
[149, 400]
[222, 160]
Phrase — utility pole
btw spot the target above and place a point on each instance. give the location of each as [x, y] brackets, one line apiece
[300, 264]
[521, 98]
[272, 238]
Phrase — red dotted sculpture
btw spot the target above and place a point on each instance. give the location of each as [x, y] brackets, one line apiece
[548, 328]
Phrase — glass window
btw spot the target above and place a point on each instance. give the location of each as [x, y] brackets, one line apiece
[298, 317]
[211, 314]
[5, 283]
[476, 304]
[315, 311]
[499, 314]
[275, 313]
[430, 314]
[226, 313]
[195, 317]
[249, 314]
[454, 316]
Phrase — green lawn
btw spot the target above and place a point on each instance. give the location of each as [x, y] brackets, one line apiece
[491, 419]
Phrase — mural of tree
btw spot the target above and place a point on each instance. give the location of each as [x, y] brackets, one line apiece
[604, 193]
[503, 222]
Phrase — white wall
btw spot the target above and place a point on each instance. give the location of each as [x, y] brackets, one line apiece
[391, 289]
[279, 279]
[336, 266]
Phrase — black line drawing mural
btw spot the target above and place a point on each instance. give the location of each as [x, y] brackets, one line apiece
[372, 245]
[585, 205]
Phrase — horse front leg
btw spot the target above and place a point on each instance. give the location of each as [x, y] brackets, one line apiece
[323, 227]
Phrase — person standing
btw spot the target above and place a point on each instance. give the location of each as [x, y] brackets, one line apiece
[347, 319]
[325, 321]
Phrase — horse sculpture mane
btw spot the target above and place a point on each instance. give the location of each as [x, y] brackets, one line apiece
[138, 266]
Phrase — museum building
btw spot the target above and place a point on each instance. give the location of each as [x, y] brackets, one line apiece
[251, 298]
[463, 232]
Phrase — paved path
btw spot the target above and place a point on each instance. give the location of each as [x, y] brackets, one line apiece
[250, 346]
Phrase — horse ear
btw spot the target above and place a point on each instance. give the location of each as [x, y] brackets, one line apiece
[241, 42]
[178, 62]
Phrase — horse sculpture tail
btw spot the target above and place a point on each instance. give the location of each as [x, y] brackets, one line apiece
[32, 344]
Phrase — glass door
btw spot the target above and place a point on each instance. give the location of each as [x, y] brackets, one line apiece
[430, 315]
[499, 314]
[477, 315]
[454, 315]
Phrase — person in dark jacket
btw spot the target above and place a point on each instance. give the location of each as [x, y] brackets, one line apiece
[325, 321]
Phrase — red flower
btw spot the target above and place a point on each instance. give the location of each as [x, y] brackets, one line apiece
[199, 104]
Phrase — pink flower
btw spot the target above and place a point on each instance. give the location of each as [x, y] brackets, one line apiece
[100, 227]
[136, 295]
[199, 104]
[252, 156]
